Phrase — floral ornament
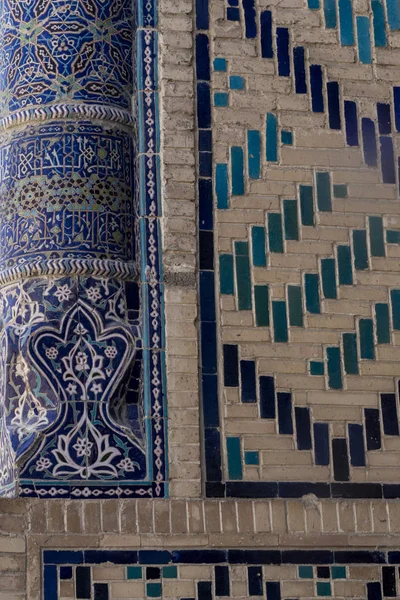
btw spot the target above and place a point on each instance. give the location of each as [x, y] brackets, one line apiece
[81, 361]
[93, 293]
[83, 447]
[63, 292]
[126, 464]
[96, 388]
[51, 353]
[111, 352]
[30, 416]
[71, 388]
[43, 463]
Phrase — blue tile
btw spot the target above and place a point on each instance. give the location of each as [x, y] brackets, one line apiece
[261, 301]
[390, 419]
[83, 583]
[50, 583]
[317, 96]
[282, 44]
[396, 98]
[317, 368]
[234, 455]
[212, 451]
[153, 590]
[236, 82]
[340, 459]
[221, 99]
[154, 557]
[219, 64]
[243, 277]
[351, 119]
[350, 354]
[275, 236]
[328, 276]
[251, 457]
[324, 193]
[364, 40]
[202, 14]
[285, 420]
[101, 591]
[382, 323]
[307, 205]
[395, 299]
[254, 153]
[205, 164]
[237, 171]
[306, 572]
[231, 365]
[379, 23]
[279, 319]
[334, 104]
[121, 557]
[324, 588]
[356, 445]
[248, 381]
[392, 236]
[367, 348]
[208, 347]
[374, 591]
[65, 572]
[207, 296]
[202, 57]
[330, 14]
[313, 4]
[60, 557]
[387, 160]
[255, 581]
[258, 246]
[360, 249]
[303, 428]
[267, 397]
[287, 138]
[221, 185]
[334, 369]
[291, 224]
[210, 400]
[369, 142]
[393, 14]
[346, 23]
[272, 138]
[203, 105]
[311, 284]
[249, 10]
[295, 306]
[376, 240]
[266, 34]
[340, 191]
[205, 203]
[232, 14]
[206, 557]
[372, 428]
[321, 444]
[226, 284]
[222, 580]
[206, 250]
[389, 582]
[299, 70]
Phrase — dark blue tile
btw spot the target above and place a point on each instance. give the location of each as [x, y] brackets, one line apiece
[307, 557]
[207, 297]
[153, 573]
[205, 140]
[282, 43]
[215, 489]
[266, 34]
[50, 583]
[360, 249]
[206, 250]
[369, 142]
[210, 400]
[154, 557]
[317, 96]
[231, 365]
[249, 10]
[389, 414]
[251, 489]
[248, 380]
[255, 581]
[303, 428]
[394, 556]
[356, 490]
[297, 489]
[321, 443]
[116, 557]
[208, 348]
[267, 397]
[203, 105]
[61, 557]
[299, 70]
[212, 447]
[384, 118]
[101, 591]
[204, 591]
[389, 582]
[351, 119]
[387, 160]
[232, 14]
[254, 557]
[222, 581]
[285, 420]
[323, 572]
[353, 557]
[205, 164]
[196, 557]
[334, 104]
[372, 428]
[273, 589]
[202, 57]
[396, 98]
[65, 572]
[202, 21]
[357, 446]
[341, 469]
[83, 583]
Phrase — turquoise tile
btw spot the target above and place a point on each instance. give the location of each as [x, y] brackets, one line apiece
[393, 14]
[237, 171]
[275, 236]
[221, 185]
[236, 82]
[170, 572]
[219, 64]
[134, 573]
[344, 265]
[360, 249]
[334, 369]
[295, 305]
[395, 299]
[328, 273]
[330, 14]
[258, 246]
[340, 191]
[254, 153]
[379, 23]
[153, 590]
[350, 354]
[324, 196]
[226, 284]
[382, 323]
[287, 138]
[221, 99]
[251, 457]
[367, 349]
[280, 321]
[235, 470]
[313, 4]
[364, 40]
[317, 367]
[261, 300]
[272, 138]
[307, 205]
[306, 572]
[324, 588]
[291, 221]
[376, 239]
[243, 280]
[311, 283]
[393, 236]
[338, 572]
[346, 23]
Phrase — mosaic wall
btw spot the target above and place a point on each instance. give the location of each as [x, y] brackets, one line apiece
[82, 362]
[207, 574]
[299, 237]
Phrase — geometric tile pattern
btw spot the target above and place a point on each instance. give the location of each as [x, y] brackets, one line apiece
[299, 244]
[207, 574]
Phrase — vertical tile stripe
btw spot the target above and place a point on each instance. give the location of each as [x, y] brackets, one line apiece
[235, 471]
[272, 138]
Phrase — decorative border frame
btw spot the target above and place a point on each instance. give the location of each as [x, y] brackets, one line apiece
[152, 289]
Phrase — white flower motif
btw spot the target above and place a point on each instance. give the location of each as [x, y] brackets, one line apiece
[43, 463]
[82, 447]
[71, 388]
[81, 361]
[126, 464]
[93, 293]
[80, 330]
[96, 388]
[62, 293]
[52, 352]
[111, 352]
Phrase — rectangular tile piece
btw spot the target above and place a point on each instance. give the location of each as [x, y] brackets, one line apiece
[267, 397]
[364, 40]
[266, 34]
[299, 70]
[321, 444]
[261, 301]
[285, 420]
[275, 235]
[340, 458]
[272, 138]
[307, 205]
[382, 323]
[390, 419]
[282, 44]
[243, 278]
[234, 458]
[248, 381]
[328, 272]
[376, 239]
[311, 283]
[360, 249]
[226, 274]
[350, 353]
[372, 428]
[258, 246]
[279, 318]
[379, 25]
[237, 171]
[303, 428]
[254, 153]
[346, 23]
[83, 583]
[344, 265]
[290, 217]
[367, 347]
[295, 305]
[334, 368]
[231, 365]
[324, 193]
[222, 581]
[357, 445]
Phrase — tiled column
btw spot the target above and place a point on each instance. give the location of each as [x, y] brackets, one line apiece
[69, 332]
